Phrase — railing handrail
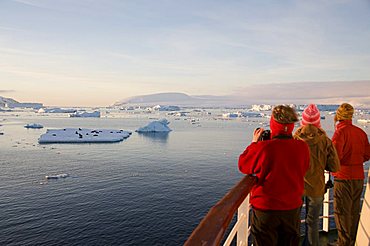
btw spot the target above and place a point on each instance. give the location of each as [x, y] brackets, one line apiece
[213, 226]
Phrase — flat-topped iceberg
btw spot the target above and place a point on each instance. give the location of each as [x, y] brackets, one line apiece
[95, 114]
[34, 126]
[80, 135]
[56, 110]
[156, 126]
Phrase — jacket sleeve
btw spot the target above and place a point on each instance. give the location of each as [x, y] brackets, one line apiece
[248, 160]
[338, 142]
[367, 150]
[332, 160]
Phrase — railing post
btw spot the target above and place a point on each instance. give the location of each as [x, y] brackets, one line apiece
[243, 233]
[363, 232]
[326, 207]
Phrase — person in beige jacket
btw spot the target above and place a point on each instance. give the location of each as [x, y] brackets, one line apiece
[323, 156]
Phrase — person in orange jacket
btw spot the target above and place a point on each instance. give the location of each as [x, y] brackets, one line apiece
[352, 145]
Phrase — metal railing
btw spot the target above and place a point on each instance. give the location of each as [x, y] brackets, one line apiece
[212, 228]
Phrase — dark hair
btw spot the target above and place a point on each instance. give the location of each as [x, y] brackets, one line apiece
[284, 114]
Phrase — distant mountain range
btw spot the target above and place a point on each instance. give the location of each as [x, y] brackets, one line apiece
[353, 92]
[175, 98]
[329, 93]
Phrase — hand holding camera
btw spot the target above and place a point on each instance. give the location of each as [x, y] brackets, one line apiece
[261, 134]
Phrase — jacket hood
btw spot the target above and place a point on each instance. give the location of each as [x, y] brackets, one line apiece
[310, 134]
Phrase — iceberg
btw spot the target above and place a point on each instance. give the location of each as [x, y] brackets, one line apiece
[166, 108]
[95, 114]
[79, 135]
[156, 126]
[34, 126]
[261, 107]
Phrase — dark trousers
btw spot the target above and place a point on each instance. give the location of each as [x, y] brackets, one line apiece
[275, 227]
[313, 209]
[347, 195]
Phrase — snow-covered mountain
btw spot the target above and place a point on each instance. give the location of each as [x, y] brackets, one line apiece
[4, 100]
[11, 103]
[324, 93]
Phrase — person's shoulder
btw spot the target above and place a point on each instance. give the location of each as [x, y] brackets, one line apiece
[361, 132]
[297, 140]
[322, 136]
[353, 129]
[300, 142]
[327, 139]
[299, 129]
[358, 128]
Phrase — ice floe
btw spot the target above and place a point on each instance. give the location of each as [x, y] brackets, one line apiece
[56, 110]
[58, 176]
[95, 114]
[80, 135]
[156, 126]
[34, 126]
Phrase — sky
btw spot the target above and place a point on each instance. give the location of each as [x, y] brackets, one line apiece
[95, 53]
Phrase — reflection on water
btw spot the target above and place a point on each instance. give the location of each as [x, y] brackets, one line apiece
[160, 136]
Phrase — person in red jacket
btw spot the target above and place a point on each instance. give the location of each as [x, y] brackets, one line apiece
[352, 145]
[280, 165]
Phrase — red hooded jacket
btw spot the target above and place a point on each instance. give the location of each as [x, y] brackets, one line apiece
[280, 165]
[352, 145]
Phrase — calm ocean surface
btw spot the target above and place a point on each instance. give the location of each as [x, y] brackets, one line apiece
[146, 190]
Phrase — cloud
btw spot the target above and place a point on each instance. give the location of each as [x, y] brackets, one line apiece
[356, 92]
[32, 3]
[7, 91]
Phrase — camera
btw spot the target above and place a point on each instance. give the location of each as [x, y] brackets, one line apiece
[265, 135]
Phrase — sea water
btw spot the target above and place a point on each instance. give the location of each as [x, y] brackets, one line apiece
[147, 190]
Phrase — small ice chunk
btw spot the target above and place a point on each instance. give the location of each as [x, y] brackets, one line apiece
[34, 126]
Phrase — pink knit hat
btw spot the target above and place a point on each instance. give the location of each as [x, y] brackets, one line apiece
[311, 115]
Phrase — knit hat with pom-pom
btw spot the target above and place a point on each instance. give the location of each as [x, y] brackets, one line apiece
[311, 115]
